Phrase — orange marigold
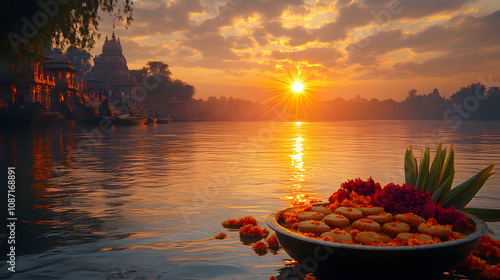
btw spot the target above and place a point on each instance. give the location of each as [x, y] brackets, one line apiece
[492, 272]
[272, 241]
[260, 246]
[247, 220]
[273, 278]
[474, 263]
[310, 277]
[487, 247]
[253, 231]
[220, 236]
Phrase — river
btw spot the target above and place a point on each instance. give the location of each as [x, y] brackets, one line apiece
[145, 202]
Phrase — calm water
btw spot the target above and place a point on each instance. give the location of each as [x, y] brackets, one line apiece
[145, 202]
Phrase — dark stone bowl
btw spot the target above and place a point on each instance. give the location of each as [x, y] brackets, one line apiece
[330, 260]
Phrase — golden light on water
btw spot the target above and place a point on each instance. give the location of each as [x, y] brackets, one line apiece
[297, 150]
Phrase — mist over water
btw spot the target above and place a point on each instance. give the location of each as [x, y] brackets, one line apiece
[145, 202]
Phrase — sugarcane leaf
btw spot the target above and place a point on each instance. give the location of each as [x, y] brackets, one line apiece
[423, 171]
[487, 215]
[480, 175]
[448, 166]
[443, 189]
[410, 174]
[435, 171]
[415, 164]
[462, 194]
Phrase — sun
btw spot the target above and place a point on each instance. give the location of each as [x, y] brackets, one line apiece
[298, 87]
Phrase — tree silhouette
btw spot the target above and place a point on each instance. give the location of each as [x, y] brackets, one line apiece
[158, 68]
[30, 26]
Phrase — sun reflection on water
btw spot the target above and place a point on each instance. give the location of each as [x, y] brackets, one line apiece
[296, 195]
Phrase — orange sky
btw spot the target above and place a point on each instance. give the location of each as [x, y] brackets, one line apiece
[374, 48]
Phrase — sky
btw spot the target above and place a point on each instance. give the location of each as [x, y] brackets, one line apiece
[253, 49]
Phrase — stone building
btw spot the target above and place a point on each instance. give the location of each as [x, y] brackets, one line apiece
[38, 91]
[25, 85]
[66, 80]
[110, 71]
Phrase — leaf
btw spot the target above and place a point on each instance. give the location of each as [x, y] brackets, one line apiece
[487, 215]
[435, 172]
[460, 201]
[443, 189]
[448, 166]
[462, 194]
[410, 169]
[423, 171]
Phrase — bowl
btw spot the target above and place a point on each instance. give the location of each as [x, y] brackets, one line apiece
[330, 260]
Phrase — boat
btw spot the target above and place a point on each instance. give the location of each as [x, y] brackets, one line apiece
[126, 120]
[163, 120]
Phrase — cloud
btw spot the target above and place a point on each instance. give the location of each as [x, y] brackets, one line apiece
[451, 65]
[459, 44]
[321, 56]
[212, 46]
[297, 35]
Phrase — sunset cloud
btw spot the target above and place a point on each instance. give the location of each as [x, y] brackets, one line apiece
[348, 43]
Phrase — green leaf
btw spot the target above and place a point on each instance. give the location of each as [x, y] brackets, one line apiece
[443, 189]
[435, 172]
[487, 215]
[448, 166]
[462, 194]
[410, 168]
[423, 171]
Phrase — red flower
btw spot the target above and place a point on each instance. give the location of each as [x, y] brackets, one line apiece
[364, 188]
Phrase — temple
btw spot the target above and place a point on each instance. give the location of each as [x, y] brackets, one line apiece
[110, 71]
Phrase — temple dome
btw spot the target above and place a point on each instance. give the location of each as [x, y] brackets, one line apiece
[110, 67]
[112, 47]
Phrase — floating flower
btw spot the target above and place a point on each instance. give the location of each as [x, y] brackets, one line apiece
[247, 220]
[220, 236]
[260, 246]
[253, 231]
[272, 241]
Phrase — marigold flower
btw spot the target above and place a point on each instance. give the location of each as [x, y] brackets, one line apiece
[310, 277]
[220, 236]
[253, 231]
[247, 220]
[487, 247]
[474, 263]
[492, 272]
[272, 241]
[260, 246]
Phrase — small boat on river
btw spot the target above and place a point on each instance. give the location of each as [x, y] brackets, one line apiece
[163, 120]
[126, 120]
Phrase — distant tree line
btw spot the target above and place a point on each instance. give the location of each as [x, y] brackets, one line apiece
[474, 102]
